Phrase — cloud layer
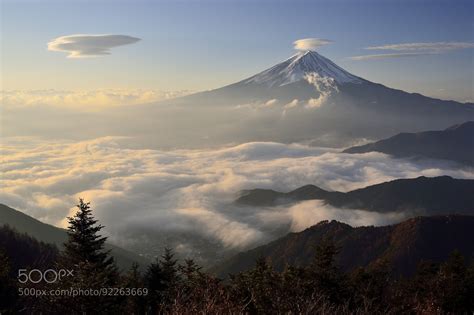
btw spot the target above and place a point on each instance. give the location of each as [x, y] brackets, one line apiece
[413, 49]
[85, 99]
[183, 198]
[87, 45]
[310, 43]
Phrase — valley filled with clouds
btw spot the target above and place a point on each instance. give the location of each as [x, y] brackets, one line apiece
[184, 198]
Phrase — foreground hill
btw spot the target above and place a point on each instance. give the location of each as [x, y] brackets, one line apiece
[24, 251]
[50, 234]
[401, 245]
[435, 195]
[455, 143]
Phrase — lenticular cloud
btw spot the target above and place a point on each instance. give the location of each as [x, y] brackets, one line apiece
[310, 43]
[84, 45]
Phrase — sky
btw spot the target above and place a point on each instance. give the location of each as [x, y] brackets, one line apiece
[200, 45]
[70, 70]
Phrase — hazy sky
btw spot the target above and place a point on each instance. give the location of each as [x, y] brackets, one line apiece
[70, 70]
[197, 45]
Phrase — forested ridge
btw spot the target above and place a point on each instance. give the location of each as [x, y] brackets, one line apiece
[169, 286]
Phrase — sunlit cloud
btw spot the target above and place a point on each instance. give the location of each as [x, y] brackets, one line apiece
[156, 193]
[87, 45]
[85, 99]
[310, 43]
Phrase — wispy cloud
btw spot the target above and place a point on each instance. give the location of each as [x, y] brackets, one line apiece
[310, 43]
[433, 47]
[86, 45]
[413, 50]
[386, 56]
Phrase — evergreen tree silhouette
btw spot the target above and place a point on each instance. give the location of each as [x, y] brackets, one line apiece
[92, 266]
[85, 244]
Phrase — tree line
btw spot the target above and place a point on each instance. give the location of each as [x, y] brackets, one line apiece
[183, 287]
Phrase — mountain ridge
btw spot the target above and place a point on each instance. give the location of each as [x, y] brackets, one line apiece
[50, 234]
[401, 245]
[438, 195]
[454, 143]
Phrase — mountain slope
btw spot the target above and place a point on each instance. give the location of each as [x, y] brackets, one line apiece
[309, 95]
[402, 245]
[455, 143]
[297, 67]
[53, 235]
[24, 251]
[268, 197]
[422, 195]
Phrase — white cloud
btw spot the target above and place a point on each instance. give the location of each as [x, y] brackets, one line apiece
[433, 46]
[88, 45]
[308, 213]
[413, 50]
[388, 56]
[149, 197]
[325, 86]
[310, 43]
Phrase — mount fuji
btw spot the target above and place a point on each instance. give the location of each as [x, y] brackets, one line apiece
[308, 98]
[303, 76]
[297, 67]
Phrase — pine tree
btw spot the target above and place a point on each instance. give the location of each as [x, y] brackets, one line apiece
[92, 266]
[190, 270]
[323, 274]
[161, 279]
[135, 303]
[154, 282]
[8, 292]
[324, 258]
[85, 244]
[257, 288]
[169, 267]
[170, 276]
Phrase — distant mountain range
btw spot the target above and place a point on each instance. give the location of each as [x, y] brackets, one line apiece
[455, 143]
[52, 235]
[422, 195]
[401, 245]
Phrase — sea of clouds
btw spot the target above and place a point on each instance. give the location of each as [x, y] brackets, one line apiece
[148, 198]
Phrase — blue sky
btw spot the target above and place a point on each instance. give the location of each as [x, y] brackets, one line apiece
[200, 45]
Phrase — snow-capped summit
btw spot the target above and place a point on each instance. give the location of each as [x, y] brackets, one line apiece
[298, 66]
